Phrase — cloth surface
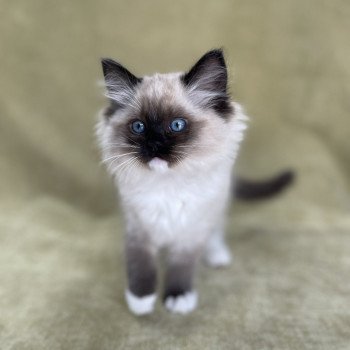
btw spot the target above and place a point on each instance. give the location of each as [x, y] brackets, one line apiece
[61, 258]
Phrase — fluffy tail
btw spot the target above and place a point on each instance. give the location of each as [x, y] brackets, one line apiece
[255, 190]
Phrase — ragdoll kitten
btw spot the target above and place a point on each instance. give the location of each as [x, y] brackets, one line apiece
[170, 142]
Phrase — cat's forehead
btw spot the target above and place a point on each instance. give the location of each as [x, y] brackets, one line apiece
[162, 95]
[161, 86]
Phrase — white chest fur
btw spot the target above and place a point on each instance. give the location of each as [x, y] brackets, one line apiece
[174, 205]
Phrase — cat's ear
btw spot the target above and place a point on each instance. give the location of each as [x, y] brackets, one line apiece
[120, 83]
[206, 82]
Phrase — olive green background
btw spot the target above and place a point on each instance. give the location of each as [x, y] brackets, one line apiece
[61, 269]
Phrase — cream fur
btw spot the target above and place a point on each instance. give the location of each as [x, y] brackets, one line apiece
[181, 205]
[184, 205]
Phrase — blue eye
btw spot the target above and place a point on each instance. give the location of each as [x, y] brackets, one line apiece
[178, 124]
[138, 127]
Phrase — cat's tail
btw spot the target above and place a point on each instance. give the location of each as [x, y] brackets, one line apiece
[255, 190]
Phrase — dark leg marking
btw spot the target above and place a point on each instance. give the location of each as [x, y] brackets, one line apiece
[141, 269]
[179, 276]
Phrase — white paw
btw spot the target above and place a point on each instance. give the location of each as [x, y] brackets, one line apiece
[182, 304]
[140, 305]
[218, 257]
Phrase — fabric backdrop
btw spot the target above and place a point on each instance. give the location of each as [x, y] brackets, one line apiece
[61, 267]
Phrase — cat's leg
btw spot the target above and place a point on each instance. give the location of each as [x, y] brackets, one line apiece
[179, 295]
[217, 253]
[141, 275]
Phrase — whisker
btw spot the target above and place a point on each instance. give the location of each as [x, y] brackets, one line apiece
[180, 155]
[193, 146]
[113, 161]
[178, 159]
[121, 145]
[125, 162]
[128, 166]
[117, 156]
[131, 140]
[115, 148]
[118, 143]
[133, 164]
[181, 152]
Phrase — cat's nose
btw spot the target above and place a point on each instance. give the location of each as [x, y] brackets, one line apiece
[154, 146]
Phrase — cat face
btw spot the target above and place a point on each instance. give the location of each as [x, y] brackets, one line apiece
[160, 121]
[159, 130]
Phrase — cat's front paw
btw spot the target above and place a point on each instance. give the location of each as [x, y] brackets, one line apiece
[182, 303]
[140, 305]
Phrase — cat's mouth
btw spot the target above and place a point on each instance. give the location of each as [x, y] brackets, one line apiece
[158, 164]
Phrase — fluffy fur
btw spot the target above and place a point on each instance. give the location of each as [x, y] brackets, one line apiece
[176, 199]
[169, 202]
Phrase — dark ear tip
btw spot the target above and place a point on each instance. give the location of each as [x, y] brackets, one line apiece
[105, 64]
[218, 53]
[107, 61]
[113, 70]
[108, 65]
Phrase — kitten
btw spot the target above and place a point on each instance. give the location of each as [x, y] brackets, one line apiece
[170, 142]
